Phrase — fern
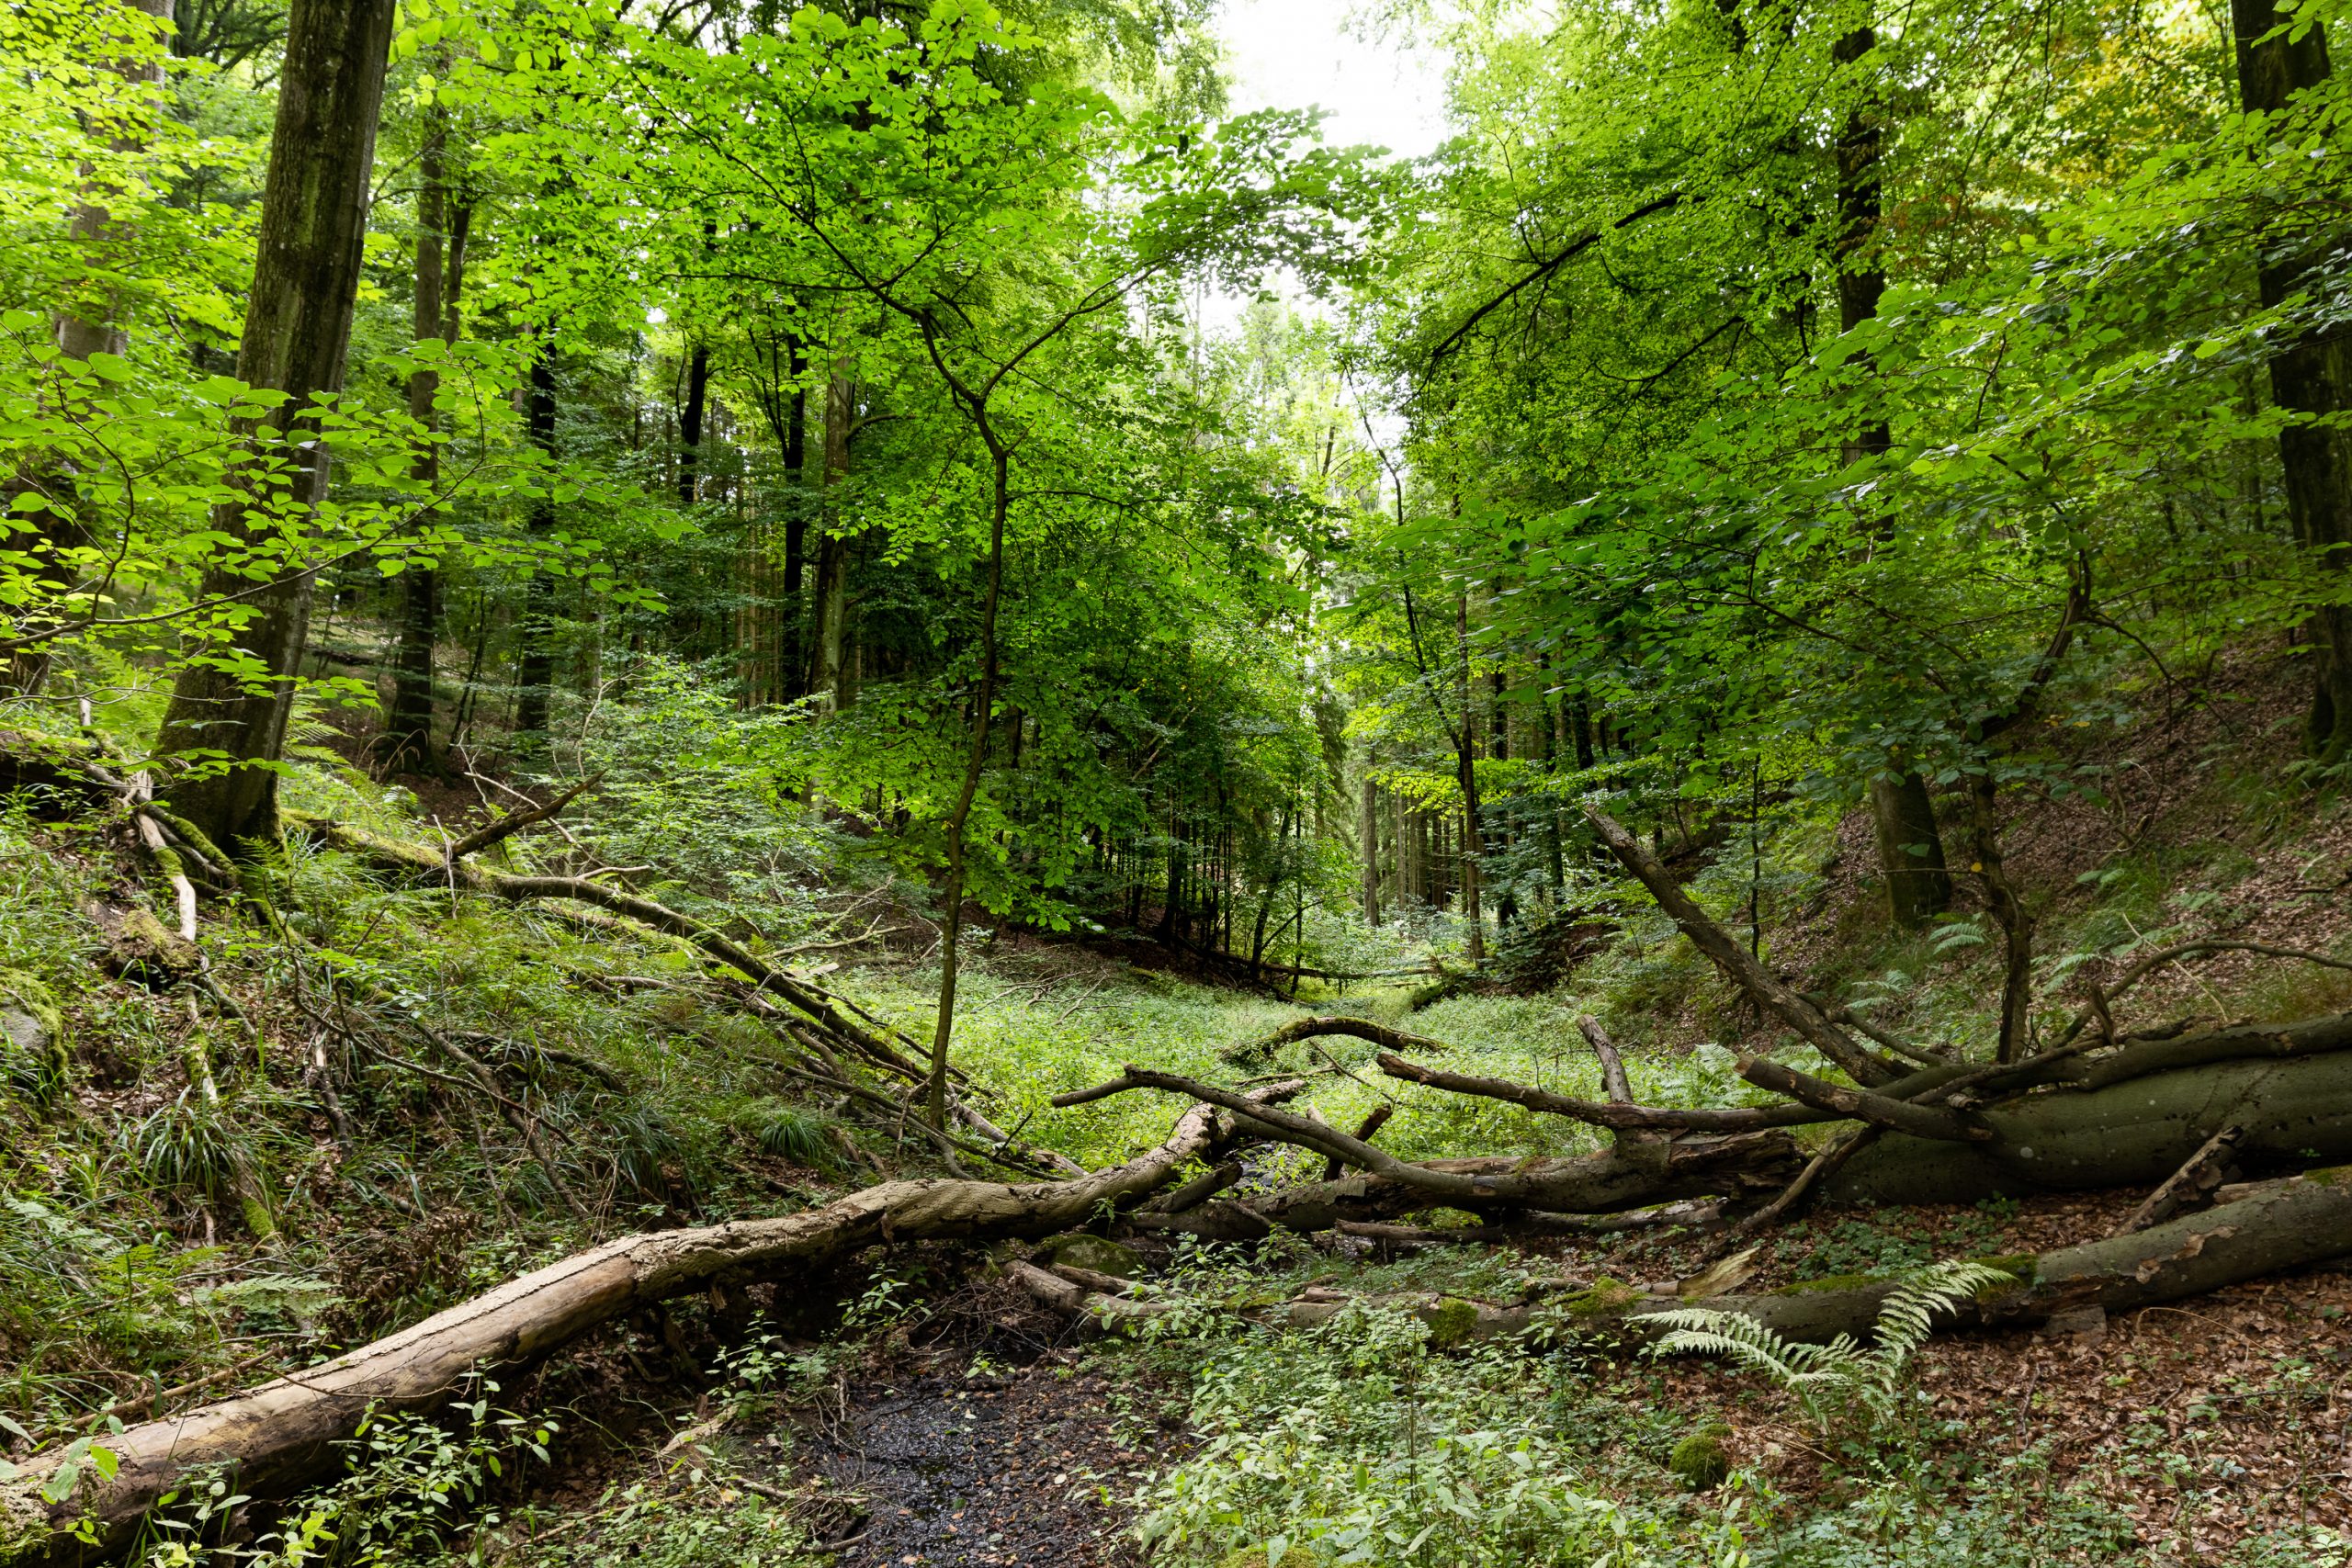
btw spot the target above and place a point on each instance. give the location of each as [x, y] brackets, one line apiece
[1836, 1379]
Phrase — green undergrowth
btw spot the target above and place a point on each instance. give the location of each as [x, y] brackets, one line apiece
[1369, 1440]
[177, 1204]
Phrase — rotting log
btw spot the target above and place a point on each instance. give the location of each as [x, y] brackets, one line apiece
[2280, 1227]
[283, 1434]
[2295, 1110]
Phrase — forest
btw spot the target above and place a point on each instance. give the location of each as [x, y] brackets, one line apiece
[860, 784]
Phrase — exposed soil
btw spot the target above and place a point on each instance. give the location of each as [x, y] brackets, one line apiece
[965, 1466]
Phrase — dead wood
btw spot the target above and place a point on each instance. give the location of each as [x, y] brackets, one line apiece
[282, 1435]
[1618, 1088]
[1198, 1191]
[2192, 1185]
[1736, 962]
[2288, 1224]
[1616, 1115]
[506, 826]
[1336, 1168]
[1860, 1105]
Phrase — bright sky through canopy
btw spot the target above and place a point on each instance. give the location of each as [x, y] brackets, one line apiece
[1297, 54]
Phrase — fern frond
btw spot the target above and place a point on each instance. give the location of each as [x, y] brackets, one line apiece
[1834, 1377]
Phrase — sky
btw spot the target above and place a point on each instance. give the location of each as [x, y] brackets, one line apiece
[1310, 54]
[1297, 54]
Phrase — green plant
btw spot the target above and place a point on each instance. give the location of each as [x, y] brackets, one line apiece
[1839, 1380]
[788, 1134]
[412, 1482]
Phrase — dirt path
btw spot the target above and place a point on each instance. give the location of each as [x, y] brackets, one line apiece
[1006, 1468]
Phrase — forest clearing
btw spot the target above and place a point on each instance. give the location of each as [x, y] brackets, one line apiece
[899, 782]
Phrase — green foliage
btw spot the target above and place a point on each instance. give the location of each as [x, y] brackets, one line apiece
[1358, 1442]
[1841, 1382]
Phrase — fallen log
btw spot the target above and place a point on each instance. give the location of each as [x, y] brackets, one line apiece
[283, 1434]
[1863, 1066]
[2295, 1111]
[2284, 1225]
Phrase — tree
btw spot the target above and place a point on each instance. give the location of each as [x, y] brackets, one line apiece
[92, 324]
[2280, 56]
[227, 721]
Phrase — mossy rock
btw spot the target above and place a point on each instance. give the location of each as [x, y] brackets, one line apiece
[32, 1039]
[1452, 1322]
[1604, 1297]
[1095, 1253]
[1702, 1458]
[146, 950]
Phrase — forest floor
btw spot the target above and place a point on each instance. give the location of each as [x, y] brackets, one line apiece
[2216, 1432]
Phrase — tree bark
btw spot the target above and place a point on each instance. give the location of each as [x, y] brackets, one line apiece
[408, 726]
[1368, 831]
[1910, 850]
[297, 327]
[2310, 377]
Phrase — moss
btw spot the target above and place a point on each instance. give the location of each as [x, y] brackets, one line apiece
[1093, 1252]
[145, 950]
[25, 1531]
[2023, 1268]
[1255, 1557]
[1605, 1298]
[32, 1039]
[1452, 1322]
[1701, 1459]
[1831, 1283]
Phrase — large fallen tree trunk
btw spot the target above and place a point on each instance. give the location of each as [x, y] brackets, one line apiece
[281, 1436]
[2129, 1117]
[2285, 1224]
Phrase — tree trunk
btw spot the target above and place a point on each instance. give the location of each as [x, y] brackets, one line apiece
[298, 326]
[795, 526]
[1910, 849]
[2311, 377]
[2290, 1225]
[690, 424]
[832, 609]
[975, 764]
[408, 726]
[1466, 771]
[535, 671]
[1368, 831]
[63, 528]
[1910, 852]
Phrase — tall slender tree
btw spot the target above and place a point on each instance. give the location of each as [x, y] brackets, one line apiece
[93, 326]
[226, 725]
[2278, 56]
